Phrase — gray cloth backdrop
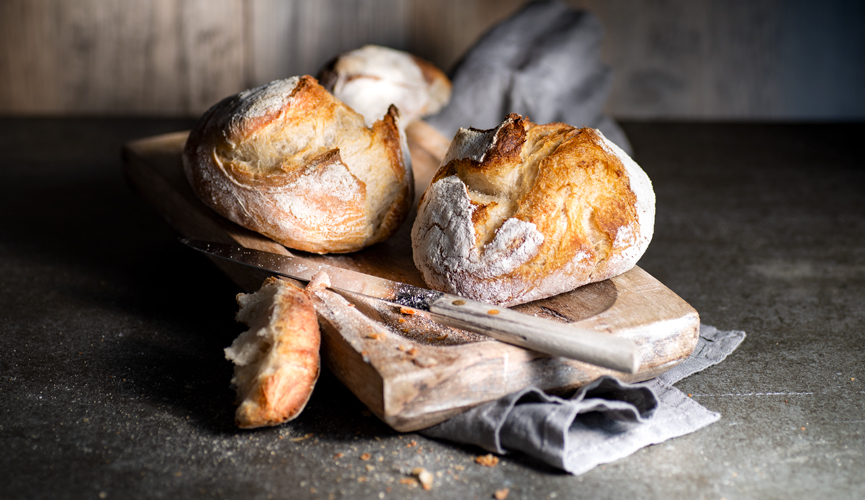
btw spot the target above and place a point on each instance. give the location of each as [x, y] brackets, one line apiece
[544, 63]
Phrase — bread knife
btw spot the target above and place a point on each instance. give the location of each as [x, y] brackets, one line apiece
[538, 334]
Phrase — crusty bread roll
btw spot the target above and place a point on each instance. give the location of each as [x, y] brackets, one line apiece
[293, 163]
[277, 359]
[371, 78]
[526, 211]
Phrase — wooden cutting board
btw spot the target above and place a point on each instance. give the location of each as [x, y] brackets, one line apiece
[409, 371]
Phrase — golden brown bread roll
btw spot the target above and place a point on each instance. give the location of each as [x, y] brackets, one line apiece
[371, 78]
[292, 162]
[277, 359]
[526, 211]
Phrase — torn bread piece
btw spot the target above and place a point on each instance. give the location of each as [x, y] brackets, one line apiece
[276, 361]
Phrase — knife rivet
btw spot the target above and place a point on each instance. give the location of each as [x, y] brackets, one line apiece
[493, 311]
[459, 302]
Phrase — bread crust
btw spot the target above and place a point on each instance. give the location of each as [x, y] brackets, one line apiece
[290, 161]
[526, 211]
[277, 360]
[371, 78]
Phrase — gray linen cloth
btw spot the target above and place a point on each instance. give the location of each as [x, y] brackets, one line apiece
[604, 421]
[544, 63]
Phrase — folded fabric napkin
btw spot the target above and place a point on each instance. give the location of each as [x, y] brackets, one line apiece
[604, 421]
[543, 62]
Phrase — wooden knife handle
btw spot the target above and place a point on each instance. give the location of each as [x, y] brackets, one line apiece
[538, 334]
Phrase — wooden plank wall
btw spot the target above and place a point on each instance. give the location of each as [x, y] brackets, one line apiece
[740, 59]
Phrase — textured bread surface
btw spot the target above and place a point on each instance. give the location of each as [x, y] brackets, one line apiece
[371, 78]
[276, 361]
[526, 211]
[292, 162]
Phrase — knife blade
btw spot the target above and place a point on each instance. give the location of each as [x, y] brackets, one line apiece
[506, 325]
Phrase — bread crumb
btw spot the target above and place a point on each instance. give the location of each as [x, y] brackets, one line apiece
[424, 476]
[488, 460]
[501, 494]
[406, 310]
[374, 335]
[365, 456]
[410, 481]
[338, 456]
[361, 479]
[319, 281]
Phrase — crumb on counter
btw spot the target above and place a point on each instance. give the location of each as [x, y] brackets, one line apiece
[424, 476]
[488, 460]
[410, 481]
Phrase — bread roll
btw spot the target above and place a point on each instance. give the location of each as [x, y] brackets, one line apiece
[293, 163]
[372, 78]
[525, 211]
[277, 359]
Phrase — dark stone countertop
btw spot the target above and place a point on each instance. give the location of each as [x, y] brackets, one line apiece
[111, 334]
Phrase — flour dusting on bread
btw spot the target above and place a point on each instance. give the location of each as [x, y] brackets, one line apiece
[266, 99]
[451, 238]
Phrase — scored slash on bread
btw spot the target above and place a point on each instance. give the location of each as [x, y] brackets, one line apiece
[524, 211]
[276, 361]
